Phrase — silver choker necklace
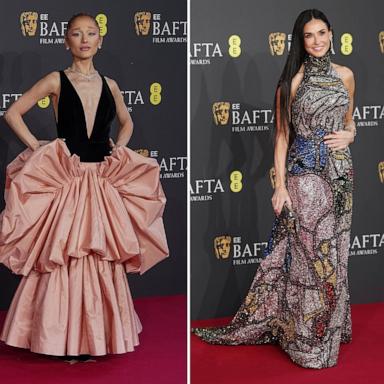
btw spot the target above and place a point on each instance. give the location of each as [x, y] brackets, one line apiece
[87, 77]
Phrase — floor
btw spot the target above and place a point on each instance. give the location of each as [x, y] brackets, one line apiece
[160, 358]
[360, 362]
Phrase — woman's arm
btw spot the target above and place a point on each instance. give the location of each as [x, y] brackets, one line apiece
[280, 196]
[349, 82]
[47, 86]
[123, 116]
[341, 139]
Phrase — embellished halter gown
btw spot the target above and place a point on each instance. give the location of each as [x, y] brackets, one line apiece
[299, 297]
[77, 218]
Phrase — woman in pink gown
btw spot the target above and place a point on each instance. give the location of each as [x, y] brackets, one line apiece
[80, 212]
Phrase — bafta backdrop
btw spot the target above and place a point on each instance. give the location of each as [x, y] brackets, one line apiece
[144, 50]
[237, 53]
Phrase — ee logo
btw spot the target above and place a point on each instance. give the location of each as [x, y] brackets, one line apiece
[346, 44]
[234, 49]
[236, 185]
[155, 91]
[44, 102]
[102, 21]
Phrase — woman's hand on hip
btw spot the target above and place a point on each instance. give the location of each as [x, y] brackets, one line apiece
[114, 146]
[339, 140]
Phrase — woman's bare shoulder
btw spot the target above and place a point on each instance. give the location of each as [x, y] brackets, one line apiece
[51, 82]
[344, 72]
[111, 83]
[52, 77]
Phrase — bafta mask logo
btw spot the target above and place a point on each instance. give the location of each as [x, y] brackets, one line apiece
[381, 41]
[221, 112]
[277, 43]
[222, 246]
[381, 171]
[143, 152]
[272, 177]
[142, 23]
[28, 23]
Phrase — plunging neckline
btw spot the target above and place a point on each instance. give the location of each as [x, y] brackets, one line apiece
[82, 106]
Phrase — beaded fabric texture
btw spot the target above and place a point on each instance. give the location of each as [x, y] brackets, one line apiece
[299, 297]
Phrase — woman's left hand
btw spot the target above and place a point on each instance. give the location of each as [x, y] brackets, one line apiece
[113, 146]
[339, 140]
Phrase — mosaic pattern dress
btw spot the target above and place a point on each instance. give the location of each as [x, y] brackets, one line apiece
[299, 297]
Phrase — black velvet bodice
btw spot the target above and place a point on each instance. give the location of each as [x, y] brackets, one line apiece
[71, 124]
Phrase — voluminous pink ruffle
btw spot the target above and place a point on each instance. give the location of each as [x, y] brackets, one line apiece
[58, 207]
[84, 307]
[72, 230]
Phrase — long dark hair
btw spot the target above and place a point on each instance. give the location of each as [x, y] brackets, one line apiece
[295, 58]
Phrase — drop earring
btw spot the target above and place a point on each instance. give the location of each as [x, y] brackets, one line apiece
[331, 45]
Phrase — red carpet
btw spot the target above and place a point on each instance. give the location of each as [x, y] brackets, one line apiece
[360, 362]
[160, 358]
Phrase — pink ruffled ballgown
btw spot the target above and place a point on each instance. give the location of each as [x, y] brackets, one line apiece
[73, 229]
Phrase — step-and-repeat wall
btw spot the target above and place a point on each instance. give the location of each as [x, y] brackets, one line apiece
[238, 49]
[144, 50]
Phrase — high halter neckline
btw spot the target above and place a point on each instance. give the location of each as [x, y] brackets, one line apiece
[317, 65]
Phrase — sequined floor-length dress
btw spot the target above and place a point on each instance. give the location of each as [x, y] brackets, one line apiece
[299, 297]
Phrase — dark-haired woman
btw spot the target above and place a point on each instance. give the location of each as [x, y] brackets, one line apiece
[299, 297]
[80, 212]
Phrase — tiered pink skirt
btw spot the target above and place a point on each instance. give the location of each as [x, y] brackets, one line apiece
[73, 230]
